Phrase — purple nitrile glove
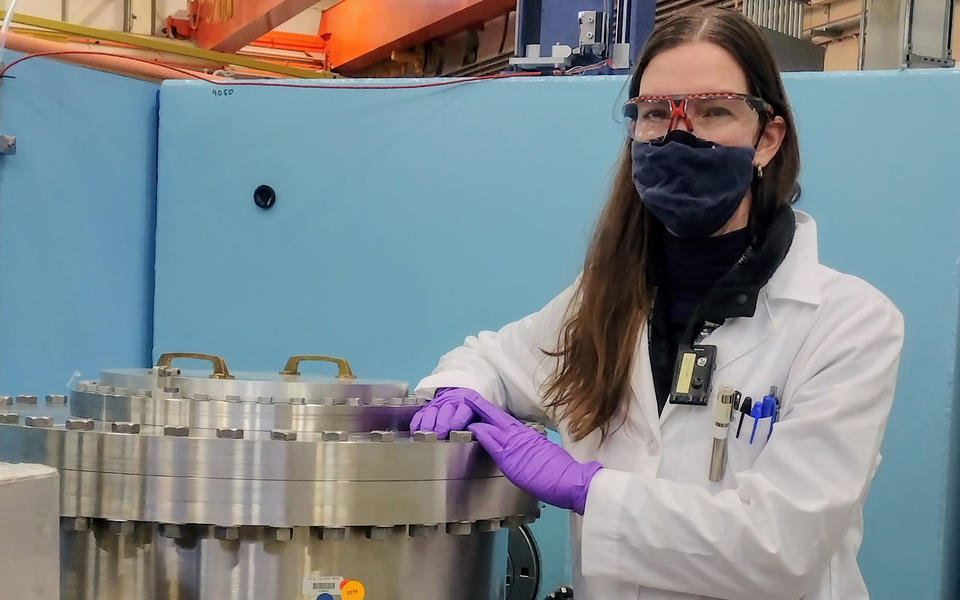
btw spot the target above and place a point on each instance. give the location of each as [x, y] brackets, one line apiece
[446, 412]
[530, 460]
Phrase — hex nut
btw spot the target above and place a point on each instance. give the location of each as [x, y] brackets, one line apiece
[26, 399]
[120, 527]
[425, 436]
[201, 397]
[265, 400]
[39, 421]
[176, 431]
[232, 398]
[512, 521]
[460, 528]
[335, 436]
[283, 435]
[228, 534]
[422, 531]
[229, 433]
[9, 418]
[379, 532]
[56, 399]
[461, 436]
[80, 424]
[383, 436]
[332, 533]
[75, 523]
[488, 525]
[173, 531]
[282, 534]
[6, 400]
[297, 401]
[395, 401]
[377, 401]
[124, 427]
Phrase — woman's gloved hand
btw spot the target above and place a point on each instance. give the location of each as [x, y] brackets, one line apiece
[530, 460]
[447, 412]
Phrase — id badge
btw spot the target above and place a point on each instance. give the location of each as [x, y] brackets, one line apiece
[693, 374]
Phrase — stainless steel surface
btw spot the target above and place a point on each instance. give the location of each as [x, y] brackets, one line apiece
[196, 565]
[181, 486]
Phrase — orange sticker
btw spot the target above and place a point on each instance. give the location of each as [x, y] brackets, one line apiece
[352, 590]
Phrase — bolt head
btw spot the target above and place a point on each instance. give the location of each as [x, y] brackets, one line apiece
[229, 433]
[56, 399]
[176, 431]
[26, 399]
[383, 436]
[282, 534]
[120, 527]
[335, 436]
[226, 533]
[80, 424]
[460, 528]
[39, 421]
[9, 418]
[124, 427]
[461, 436]
[332, 533]
[283, 435]
[425, 436]
[6, 400]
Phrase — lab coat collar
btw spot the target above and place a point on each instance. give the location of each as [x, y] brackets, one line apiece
[796, 279]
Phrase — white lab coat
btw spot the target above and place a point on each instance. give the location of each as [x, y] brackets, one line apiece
[786, 521]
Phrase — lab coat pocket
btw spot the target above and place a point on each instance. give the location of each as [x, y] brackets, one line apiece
[746, 447]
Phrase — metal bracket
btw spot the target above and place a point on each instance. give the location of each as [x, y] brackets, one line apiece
[8, 144]
[917, 60]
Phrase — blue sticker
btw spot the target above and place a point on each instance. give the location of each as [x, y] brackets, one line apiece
[324, 596]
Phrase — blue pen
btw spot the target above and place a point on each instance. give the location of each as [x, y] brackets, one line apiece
[770, 410]
[756, 413]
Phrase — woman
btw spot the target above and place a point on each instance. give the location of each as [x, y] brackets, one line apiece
[697, 248]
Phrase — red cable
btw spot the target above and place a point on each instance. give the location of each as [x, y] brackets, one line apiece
[268, 83]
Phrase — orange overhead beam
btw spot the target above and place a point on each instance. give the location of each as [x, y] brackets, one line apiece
[365, 32]
[250, 19]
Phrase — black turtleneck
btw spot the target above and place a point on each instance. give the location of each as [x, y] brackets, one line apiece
[712, 279]
[691, 267]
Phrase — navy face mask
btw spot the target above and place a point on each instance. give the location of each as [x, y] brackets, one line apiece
[691, 185]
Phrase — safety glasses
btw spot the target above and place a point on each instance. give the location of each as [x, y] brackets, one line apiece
[708, 116]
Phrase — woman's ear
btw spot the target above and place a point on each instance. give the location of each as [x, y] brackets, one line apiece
[770, 140]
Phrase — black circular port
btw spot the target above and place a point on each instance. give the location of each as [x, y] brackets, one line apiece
[264, 196]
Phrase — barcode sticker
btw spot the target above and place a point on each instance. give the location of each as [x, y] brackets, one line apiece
[314, 584]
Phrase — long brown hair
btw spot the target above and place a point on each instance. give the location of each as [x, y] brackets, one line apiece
[598, 341]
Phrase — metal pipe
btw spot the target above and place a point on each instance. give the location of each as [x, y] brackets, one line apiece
[64, 10]
[861, 43]
[127, 13]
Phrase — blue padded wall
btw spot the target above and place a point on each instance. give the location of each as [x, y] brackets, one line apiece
[77, 221]
[406, 220]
